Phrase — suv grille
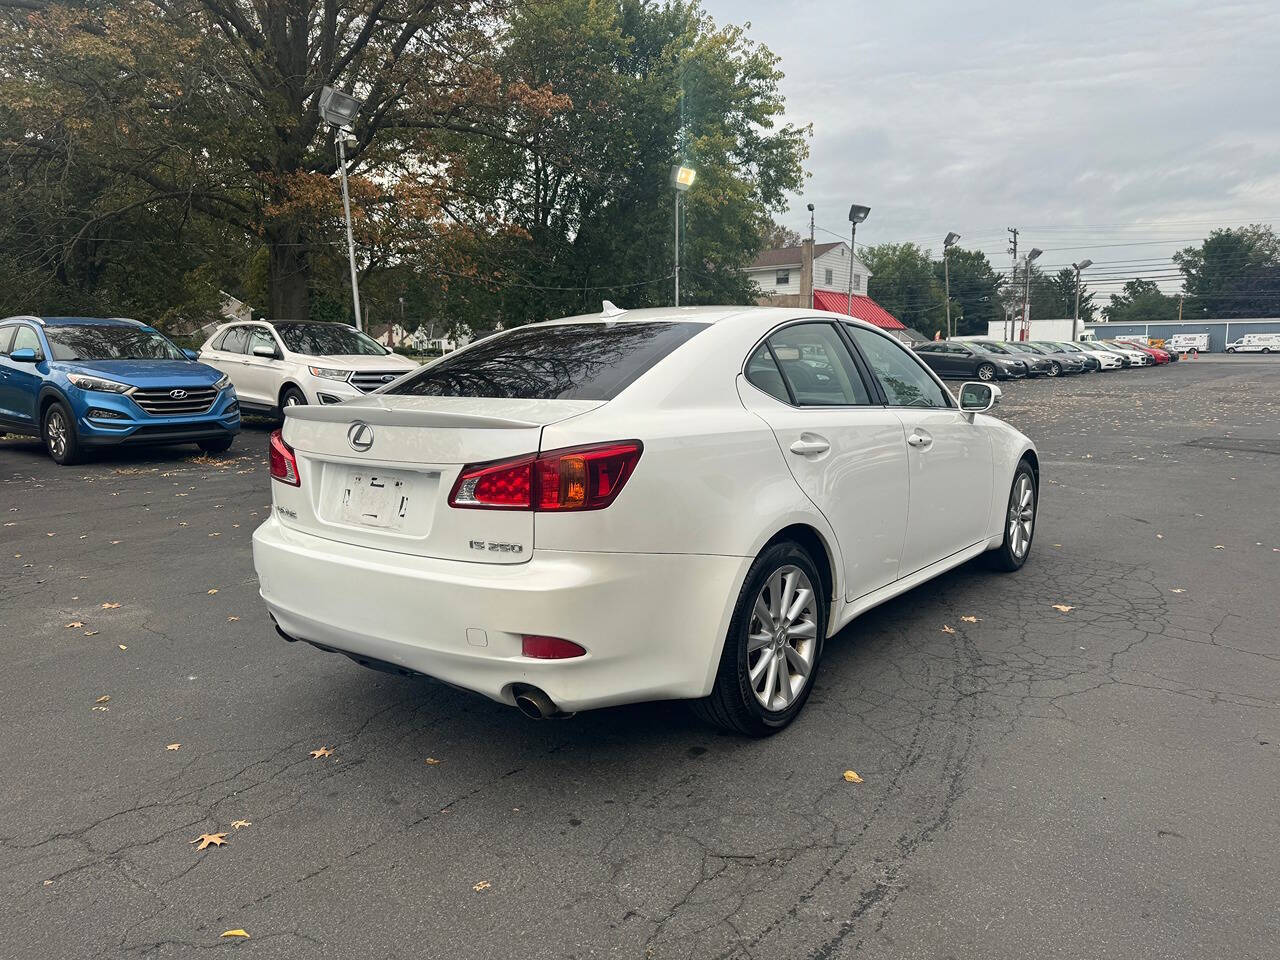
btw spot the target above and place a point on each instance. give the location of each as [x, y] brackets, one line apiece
[367, 380]
[161, 402]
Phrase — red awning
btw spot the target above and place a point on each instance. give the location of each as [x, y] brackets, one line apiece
[864, 308]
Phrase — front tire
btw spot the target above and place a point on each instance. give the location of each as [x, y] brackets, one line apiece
[773, 647]
[219, 445]
[58, 430]
[1019, 521]
[1231, 349]
[1055, 368]
[987, 372]
[292, 397]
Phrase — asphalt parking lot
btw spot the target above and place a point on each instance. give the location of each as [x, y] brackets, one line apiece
[1098, 781]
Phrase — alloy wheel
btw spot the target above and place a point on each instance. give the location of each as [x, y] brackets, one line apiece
[782, 638]
[986, 372]
[1022, 515]
[55, 429]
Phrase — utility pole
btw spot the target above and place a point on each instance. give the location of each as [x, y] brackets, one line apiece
[1013, 274]
[1180, 296]
[947, 244]
[1075, 324]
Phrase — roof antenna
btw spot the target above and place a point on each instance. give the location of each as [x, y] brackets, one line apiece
[611, 309]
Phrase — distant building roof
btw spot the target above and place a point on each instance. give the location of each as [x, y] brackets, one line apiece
[787, 256]
[864, 308]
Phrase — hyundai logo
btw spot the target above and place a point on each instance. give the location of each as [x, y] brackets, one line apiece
[388, 378]
[178, 394]
[360, 436]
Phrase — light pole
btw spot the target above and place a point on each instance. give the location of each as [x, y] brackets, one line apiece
[947, 244]
[1075, 326]
[857, 213]
[812, 266]
[339, 110]
[1026, 295]
[682, 178]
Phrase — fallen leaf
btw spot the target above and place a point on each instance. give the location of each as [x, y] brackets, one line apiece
[1159, 536]
[91, 633]
[114, 542]
[852, 777]
[322, 752]
[103, 699]
[213, 591]
[173, 746]
[122, 646]
[237, 824]
[232, 619]
[110, 606]
[210, 839]
[1063, 607]
[482, 885]
[75, 624]
[947, 629]
[1177, 590]
[1219, 546]
[970, 619]
[236, 933]
[432, 760]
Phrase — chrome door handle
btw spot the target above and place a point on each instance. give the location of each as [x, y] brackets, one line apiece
[919, 440]
[807, 448]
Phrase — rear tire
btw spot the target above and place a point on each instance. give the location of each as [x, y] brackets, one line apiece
[220, 445]
[58, 431]
[987, 372]
[1266, 349]
[1019, 521]
[768, 666]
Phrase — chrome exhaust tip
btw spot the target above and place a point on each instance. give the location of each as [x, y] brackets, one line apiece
[536, 705]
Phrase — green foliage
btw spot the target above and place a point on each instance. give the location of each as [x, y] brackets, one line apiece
[1140, 301]
[975, 291]
[1233, 273]
[907, 282]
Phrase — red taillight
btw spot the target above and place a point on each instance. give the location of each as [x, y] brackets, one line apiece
[550, 648]
[284, 465]
[576, 478]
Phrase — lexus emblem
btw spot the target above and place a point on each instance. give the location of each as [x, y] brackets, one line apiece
[360, 436]
[178, 394]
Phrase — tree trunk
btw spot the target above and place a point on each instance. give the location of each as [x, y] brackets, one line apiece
[289, 273]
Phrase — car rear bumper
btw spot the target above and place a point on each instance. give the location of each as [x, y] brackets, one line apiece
[652, 624]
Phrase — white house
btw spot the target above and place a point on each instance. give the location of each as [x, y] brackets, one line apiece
[780, 271]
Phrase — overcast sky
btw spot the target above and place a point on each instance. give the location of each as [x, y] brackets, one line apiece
[1119, 131]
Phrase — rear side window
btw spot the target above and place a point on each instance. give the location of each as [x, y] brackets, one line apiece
[817, 366]
[234, 340]
[6, 338]
[570, 361]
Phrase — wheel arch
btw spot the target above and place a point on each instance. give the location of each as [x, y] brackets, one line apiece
[285, 386]
[48, 396]
[814, 544]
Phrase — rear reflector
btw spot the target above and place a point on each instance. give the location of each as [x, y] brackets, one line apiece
[284, 465]
[574, 478]
[550, 648]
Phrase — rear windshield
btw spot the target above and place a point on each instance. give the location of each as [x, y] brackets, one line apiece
[572, 361]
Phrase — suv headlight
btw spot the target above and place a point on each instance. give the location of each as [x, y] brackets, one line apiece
[223, 381]
[86, 382]
[328, 374]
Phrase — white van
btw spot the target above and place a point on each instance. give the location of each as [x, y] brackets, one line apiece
[1183, 342]
[1256, 343]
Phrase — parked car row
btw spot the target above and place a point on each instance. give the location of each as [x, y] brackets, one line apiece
[989, 359]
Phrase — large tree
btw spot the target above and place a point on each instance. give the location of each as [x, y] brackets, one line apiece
[206, 110]
[907, 282]
[1141, 301]
[582, 209]
[1233, 273]
[975, 290]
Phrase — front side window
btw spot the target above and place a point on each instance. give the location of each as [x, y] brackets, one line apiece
[783, 278]
[563, 361]
[818, 367]
[334, 339]
[904, 381]
[26, 339]
[259, 337]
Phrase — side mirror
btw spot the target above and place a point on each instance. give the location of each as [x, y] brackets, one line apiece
[978, 397]
[25, 355]
[191, 354]
[264, 351]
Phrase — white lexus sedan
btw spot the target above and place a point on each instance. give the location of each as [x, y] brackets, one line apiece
[670, 503]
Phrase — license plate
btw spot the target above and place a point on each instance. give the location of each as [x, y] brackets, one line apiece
[375, 500]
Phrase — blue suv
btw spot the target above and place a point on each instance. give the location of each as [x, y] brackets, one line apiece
[78, 382]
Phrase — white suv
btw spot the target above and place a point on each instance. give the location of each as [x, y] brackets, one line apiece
[286, 363]
[1256, 343]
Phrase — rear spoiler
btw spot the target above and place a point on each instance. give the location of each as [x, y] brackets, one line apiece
[400, 417]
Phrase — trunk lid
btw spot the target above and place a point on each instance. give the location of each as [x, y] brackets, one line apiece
[377, 472]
